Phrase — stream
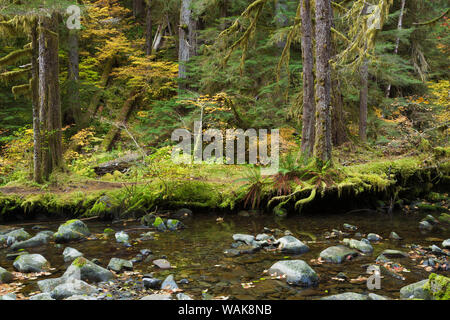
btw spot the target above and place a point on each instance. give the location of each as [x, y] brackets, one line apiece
[196, 253]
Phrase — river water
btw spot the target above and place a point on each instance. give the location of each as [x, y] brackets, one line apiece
[197, 254]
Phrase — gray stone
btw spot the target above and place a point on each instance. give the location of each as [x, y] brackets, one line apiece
[415, 291]
[47, 285]
[72, 287]
[374, 237]
[436, 249]
[42, 238]
[446, 244]
[350, 227]
[169, 284]
[394, 236]
[162, 264]
[118, 265]
[42, 296]
[15, 235]
[297, 272]
[173, 224]
[122, 237]
[347, 296]
[71, 254]
[429, 218]
[389, 254]
[80, 297]
[158, 297]
[31, 263]
[152, 283]
[8, 296]
[5, 276]
[374, 296]
[337, 254]
[425, 225]
[246, 238]
[87, 271]
[362, 246]
[72, 230]
[289, 244]
[182, 296]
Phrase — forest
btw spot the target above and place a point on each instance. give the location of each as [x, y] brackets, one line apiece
[351, 98]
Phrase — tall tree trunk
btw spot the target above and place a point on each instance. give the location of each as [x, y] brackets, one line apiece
[37, 152]
[49, 93]
[148, 28]
[138, 6]
[188, 39]
[309, 106]
[323, 146]
[363, 99]
[397, 41]
[74, 85]
[339, 134]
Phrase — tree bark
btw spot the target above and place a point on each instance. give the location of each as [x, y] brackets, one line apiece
[397, 41]
[309, 106]
[188, 39]
[138, 6]
[363, 99]
[323, 146]
[37, 152]
[74, 77]
[148, 29]
[49, 93]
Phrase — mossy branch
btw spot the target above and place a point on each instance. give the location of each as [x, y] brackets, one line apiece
[15, 56]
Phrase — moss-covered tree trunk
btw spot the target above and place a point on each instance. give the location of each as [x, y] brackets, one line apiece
[49, 95]
[309, 105]
[322, 145]
[37, 152]
[74, 85]
[188, 39]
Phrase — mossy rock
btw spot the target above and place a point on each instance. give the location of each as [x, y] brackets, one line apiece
[109, 231]
[174, 224]
[280, 212]
[72, 230]
[444, 218]
[438, 287]
[148, 219]
[436, 197]
[159, 224]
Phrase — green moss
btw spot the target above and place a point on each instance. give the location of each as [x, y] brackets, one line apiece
[79, 262]
[438, 286]
[157, 222]
[444, 218]
[108, 231]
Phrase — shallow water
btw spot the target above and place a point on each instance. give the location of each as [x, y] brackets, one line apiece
[197, 253]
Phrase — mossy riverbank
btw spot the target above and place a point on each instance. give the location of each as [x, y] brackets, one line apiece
[377, 184]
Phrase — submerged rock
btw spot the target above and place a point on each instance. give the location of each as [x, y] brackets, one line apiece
[362, 246]
[5, 276]
[337, 254]
[297, 272]
[183, 213]
[118, 265]
[42, 238]
[71, 254]
[415, 291]
[394, 236]
[72, 230]
[85, 270]
[289, 244]
[388, 254]
[28, 263]
[169, 284]
[173, 225]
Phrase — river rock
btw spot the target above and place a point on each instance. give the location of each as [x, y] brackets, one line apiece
[297, 272]
[5, 276]
[42, 238]
[374, 237]
[8, 296]
[158, 297]
[47, 285]
[13, 256]
[350, 227]
[246, 238]
[337, 254]
[162, 264]
[28, 263]
[182, 296]
[415, 291]
[362, 246]
[71, 254]
[72, 287]
[429, 218]
[122, 237]
[118, 265]
[289, 244]
[152, 283]
[80, 297]
[159, 224]
[15, 235]
[173, 224]
[41, 296]
[169, 284]
[394, 236]
[446, 244]
[86, 270]
[425, 225]
[72, 230]
[389, 254]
